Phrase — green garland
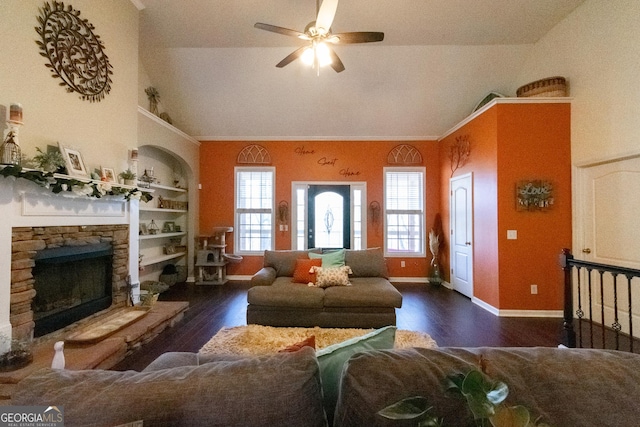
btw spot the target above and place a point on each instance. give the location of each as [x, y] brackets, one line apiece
[58, 184]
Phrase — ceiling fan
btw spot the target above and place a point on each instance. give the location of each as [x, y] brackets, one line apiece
[318, 33]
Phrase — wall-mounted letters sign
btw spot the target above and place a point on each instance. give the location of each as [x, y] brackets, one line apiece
[534, 195]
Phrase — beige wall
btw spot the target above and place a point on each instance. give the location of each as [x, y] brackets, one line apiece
[597, 49]
[102, 131]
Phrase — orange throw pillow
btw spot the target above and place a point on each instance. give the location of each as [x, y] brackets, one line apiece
[307, 342]
[301, 273]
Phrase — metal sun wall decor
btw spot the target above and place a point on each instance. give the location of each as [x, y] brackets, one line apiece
[76, 55]
[534, 195]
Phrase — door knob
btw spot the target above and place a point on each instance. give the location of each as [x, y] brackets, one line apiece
[586, 251]
[468, 243]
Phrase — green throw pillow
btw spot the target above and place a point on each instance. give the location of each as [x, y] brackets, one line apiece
[330, 259]
[332, 358]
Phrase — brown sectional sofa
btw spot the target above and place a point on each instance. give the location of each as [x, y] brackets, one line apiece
[566, 387]
[370, 301]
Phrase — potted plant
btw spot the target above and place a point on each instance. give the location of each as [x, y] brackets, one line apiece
[128, 176]
[435, 277]
[49, 161]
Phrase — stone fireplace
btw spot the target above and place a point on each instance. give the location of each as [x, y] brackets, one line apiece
[55, 270]
[34, 221]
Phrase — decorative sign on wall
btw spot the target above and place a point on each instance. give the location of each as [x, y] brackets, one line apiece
[404, 155]
[76, 55]
[534, 195]
[254, 154]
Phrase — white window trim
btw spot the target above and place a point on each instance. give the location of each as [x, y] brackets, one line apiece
[236, 235]
[302, 185]
[423, 245]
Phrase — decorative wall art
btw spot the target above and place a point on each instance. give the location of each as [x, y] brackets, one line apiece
[459, 152]
[74, 162]
[534, 195]
[404, 155]
[254, 154]
[76, 55]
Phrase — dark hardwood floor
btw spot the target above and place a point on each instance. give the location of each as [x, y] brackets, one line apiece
[450, 318]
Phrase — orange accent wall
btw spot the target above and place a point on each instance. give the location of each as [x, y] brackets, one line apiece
[347, 161]
[511, 143]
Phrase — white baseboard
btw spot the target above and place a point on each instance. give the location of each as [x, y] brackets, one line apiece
[517, 313]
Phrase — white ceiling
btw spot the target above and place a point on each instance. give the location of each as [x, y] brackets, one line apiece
[217, 78]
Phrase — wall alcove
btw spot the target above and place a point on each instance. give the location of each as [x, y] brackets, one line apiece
[173, 155]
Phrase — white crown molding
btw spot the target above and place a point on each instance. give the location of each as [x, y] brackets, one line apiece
[530, 100]
[138, 4]
[315, 138]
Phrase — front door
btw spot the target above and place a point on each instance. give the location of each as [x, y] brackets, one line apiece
[462, 234]
[329, 218]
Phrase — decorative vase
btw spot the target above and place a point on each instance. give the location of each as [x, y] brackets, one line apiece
[435, 276]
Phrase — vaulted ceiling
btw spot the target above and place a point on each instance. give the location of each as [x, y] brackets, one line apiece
[217, 78]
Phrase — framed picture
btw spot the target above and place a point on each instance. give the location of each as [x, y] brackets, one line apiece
[73, 161]
[143, 229]
[169, 249]
[108, 174]
[169, 227]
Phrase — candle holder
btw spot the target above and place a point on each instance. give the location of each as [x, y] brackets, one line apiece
[10, 153]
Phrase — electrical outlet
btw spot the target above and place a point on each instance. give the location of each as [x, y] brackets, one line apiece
[512, 234]
[534, 289]
[402, 264]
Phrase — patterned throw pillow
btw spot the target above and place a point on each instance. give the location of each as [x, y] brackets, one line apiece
[337, 276]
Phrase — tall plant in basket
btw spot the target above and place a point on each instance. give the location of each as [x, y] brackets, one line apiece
[435, 276]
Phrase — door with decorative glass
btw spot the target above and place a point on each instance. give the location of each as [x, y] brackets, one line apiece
[329, 220]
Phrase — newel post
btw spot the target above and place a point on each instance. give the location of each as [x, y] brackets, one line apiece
[568, 334]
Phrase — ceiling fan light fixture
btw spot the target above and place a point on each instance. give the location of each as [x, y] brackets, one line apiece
[318, 53]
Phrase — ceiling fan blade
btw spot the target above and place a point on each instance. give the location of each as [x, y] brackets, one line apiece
[326, 13]
[360, 37]
[291, 57]
[336, 63]
[279, 30]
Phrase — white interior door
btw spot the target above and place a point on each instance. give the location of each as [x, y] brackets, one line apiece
[611, 194]
[461, 203]
[609, 202]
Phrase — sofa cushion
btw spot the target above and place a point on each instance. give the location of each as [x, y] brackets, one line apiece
[333, 358]
[367, 263]
[303, 272]
[330, 259]
[284, 262]
[332, 276]
[280, 389]
[364, 292]
[284, 293]
[566, 387]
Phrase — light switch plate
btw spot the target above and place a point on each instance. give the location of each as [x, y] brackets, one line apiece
[512, 234]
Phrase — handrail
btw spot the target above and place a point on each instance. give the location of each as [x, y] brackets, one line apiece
[567, 261]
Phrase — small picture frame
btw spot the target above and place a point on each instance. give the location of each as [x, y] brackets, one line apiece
[73, 160]
[169, 249]
[108, 174]
[143, 231]
[169, 227]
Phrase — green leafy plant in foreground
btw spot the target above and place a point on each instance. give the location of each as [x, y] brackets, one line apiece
[485, 399]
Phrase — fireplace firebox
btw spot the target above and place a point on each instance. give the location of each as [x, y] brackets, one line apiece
[71, 283]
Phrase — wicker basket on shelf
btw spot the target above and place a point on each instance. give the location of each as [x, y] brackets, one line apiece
[551, 86]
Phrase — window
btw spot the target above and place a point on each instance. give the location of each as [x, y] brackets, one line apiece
[404, 211]
[254, 209]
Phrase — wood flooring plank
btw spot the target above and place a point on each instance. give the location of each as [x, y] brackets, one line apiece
[449, 317]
